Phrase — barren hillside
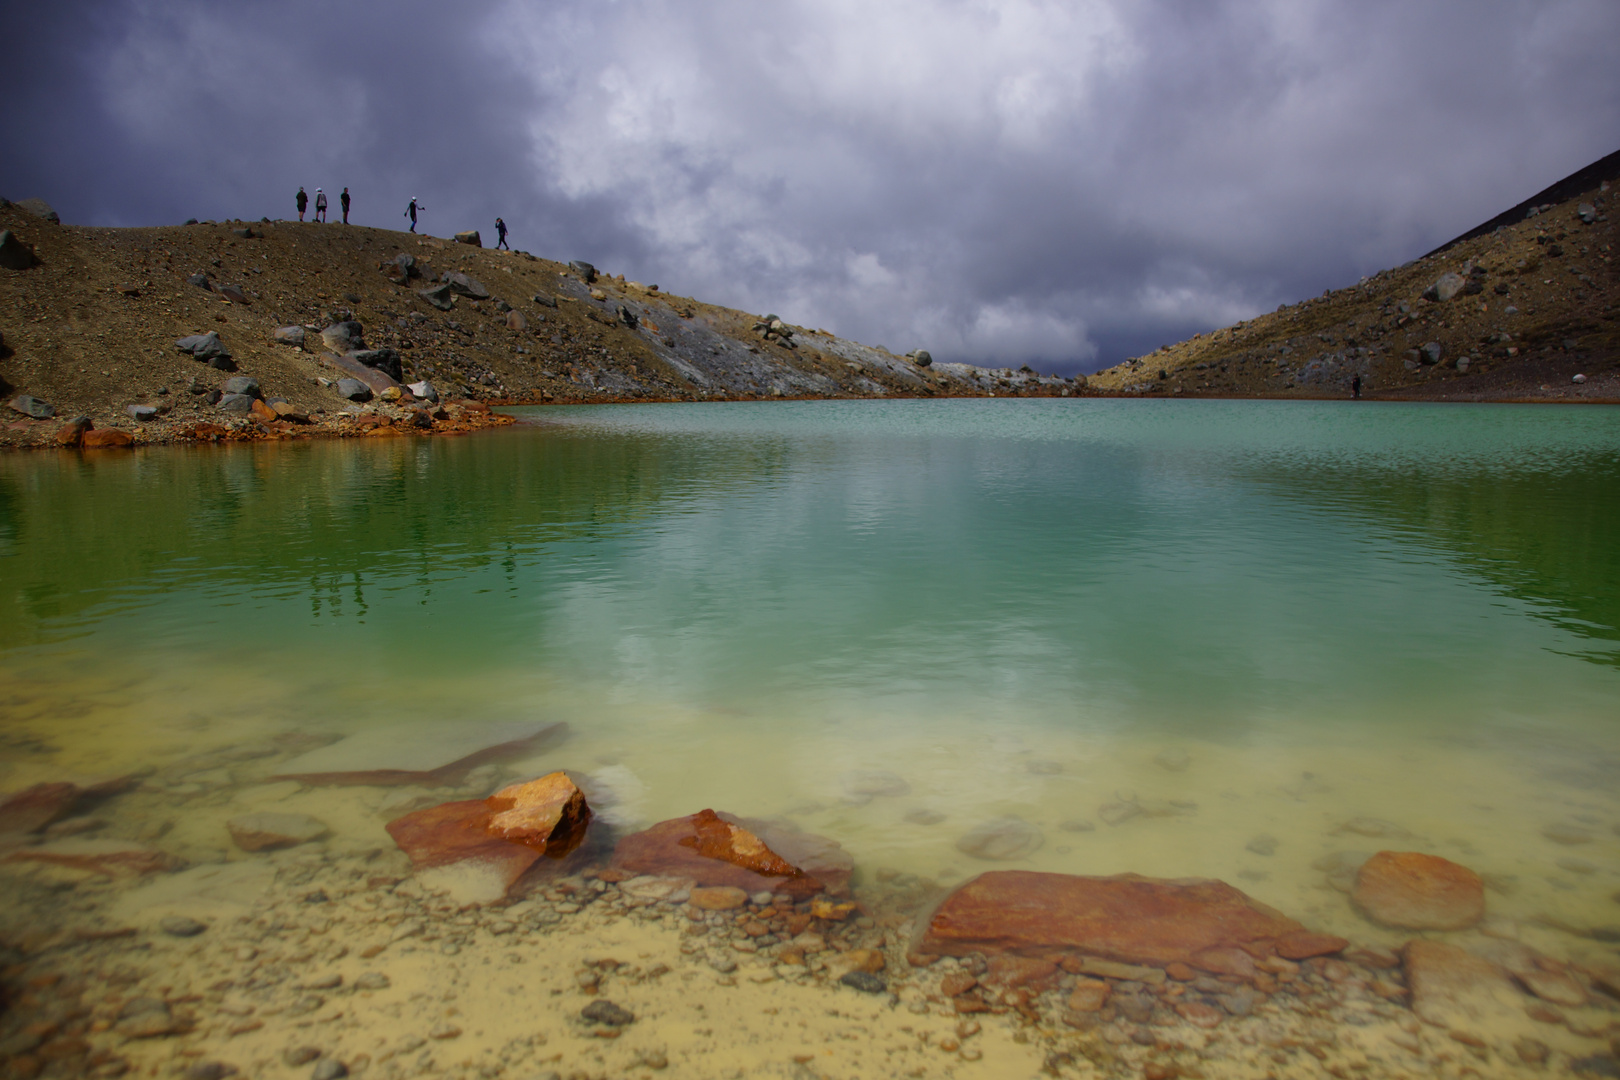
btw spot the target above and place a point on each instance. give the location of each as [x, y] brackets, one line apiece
[89, 328]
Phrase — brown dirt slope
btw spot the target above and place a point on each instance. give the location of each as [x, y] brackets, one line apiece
[90, 328]
[1534, 321]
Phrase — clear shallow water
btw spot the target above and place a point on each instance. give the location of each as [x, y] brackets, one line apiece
[1332, 610]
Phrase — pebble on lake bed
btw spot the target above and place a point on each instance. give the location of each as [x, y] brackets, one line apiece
[271, 831]
[1009, 837]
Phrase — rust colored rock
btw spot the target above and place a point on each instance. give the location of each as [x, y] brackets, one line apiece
[548, 814]
[32, 809]
[1199, 1015]
[1089, 995]
[516, 321]
[110, 858]
[72, 432]
[261, 411]
[1455, 990]
[1304, 945]
[1558, 987]
[957, 982]
[721, 849]
[455, 837]
[717, 898]
[1180, 972]
[1126, 918]
[1414, 891]
[1225, 960]
[106, 439]
[1006, 969]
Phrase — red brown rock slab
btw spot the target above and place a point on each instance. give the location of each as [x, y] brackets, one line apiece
[1458, 991]
[268, 831]
[441, 775]
[715, 848]
[1414, 891]
[456, 834]
[32, 809]
[1206, 924]
[1304, 945]
[111, 858]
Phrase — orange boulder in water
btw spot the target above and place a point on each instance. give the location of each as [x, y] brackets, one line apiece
[477, 849]
[713, 849]
[1414, 891]
[1205, 924]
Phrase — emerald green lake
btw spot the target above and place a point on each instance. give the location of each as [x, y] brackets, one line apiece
[1233, 619]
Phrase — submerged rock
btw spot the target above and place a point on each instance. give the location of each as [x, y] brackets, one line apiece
[1126, 918]
[429, 755]
[110, 858]
[716, 848]
[1009, 837]
[1457, 991]
[866, 783]
[1414, 891]
[270, 831]
[476, 849]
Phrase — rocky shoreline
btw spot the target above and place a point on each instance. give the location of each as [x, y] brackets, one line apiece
[513, 935]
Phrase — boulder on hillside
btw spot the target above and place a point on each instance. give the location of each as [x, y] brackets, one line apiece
[1431, 352]
[470, 237]
[142, 412]
[423, 391]
[342, 337]
[236, 403]
[1445, 287]
[289, 335]
[402, 268]
[233, 293]
[384, 360]
[242, 384]
[516, 321]
[40, 209]
[439, 296]
[72, 433]
[14, 254]
[353, 389]
[106, 439]
[464, 285]
[200, 280]
[586, 272]
[204, 347]
[922, 358]
[31, 406]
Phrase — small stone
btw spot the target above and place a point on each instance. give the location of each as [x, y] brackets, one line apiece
[1576, 866]
[1116, 813]
[444, 1031]
[1554, 986]
[439, 296]
[205, 347]
[1199, 1014]
[1089, 995]
[1431, 352]
[717, 898]
[325, 982]
[865, 982]
[329, 1069]
[200, 280]
[1009, 837]
[1264, 844]
[289, 335]
[142, 412]
[209, 1070]
[271, 831]
[180, 926]
[1077, 825]
[299, 1055]
[233, 293]
[925, 817]
[606, 1012]
[373, 980]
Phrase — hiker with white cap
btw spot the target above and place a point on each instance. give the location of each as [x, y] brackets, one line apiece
[320, 205]
[411, 210]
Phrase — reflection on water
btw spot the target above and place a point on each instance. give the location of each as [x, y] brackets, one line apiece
[1235, 626]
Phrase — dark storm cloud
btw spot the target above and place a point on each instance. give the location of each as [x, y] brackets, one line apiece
[1063, 183]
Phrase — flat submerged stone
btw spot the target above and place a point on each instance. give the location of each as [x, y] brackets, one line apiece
[714, 848]
[426, 754]
[1125, 918]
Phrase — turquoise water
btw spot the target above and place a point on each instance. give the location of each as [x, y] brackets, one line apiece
[1018, 607]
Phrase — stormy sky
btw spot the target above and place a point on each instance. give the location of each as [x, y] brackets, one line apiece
[999, 181]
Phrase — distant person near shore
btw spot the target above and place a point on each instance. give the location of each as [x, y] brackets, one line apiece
[343, 201]
[303, 201]
[410, 211]
[500, 227]
[1355, 387]
[320, 205]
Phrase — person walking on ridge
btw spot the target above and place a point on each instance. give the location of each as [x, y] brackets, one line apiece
[500, 227]
[343, 201]
[302, 200]
[320, 205]
[410, 211]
